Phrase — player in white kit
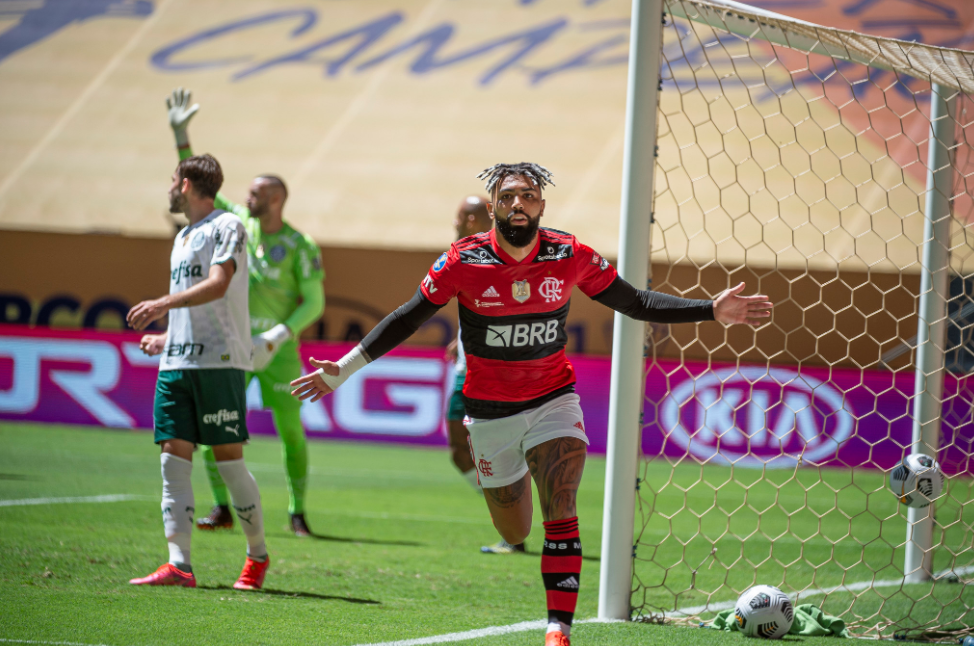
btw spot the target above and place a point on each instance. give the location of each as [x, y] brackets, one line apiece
[200, 392]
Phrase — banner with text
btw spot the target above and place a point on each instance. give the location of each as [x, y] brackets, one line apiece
[719, 414]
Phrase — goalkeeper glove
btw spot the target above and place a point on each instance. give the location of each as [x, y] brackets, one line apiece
[180, 113]
[266, 345]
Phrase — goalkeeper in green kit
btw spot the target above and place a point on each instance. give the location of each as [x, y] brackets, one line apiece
[286, 296]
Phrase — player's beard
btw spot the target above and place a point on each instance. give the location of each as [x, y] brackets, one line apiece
[258, 210]
[177, 202]
[518, 236]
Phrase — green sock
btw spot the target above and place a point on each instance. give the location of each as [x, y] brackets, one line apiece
[220, 495]
[289, 428]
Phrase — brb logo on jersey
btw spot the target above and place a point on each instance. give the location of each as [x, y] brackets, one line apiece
[522, 334]
[550, 289]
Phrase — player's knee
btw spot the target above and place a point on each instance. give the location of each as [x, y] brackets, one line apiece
[513, 529]
[515, 535]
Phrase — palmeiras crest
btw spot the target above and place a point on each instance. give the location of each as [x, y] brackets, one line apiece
[521, 289]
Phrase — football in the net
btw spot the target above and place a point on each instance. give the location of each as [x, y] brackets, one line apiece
[917, 480]
[764, 611]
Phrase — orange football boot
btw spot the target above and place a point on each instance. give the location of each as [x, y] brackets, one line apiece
[252, 576]
[556, 638]
[167, 574]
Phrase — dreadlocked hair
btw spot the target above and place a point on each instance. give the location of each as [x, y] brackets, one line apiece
[534, 172]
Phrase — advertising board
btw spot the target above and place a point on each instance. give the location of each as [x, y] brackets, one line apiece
[749, 416]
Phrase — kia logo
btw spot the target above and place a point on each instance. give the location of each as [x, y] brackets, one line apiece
[756, 417]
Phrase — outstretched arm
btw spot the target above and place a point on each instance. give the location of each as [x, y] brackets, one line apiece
[390, 332]
[645, 305]
[180, 114]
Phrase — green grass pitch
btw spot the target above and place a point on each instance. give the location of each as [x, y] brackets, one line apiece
[398, 557]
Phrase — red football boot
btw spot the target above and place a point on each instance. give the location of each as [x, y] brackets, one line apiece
[556, 638]
[252, 576]
[167, 574]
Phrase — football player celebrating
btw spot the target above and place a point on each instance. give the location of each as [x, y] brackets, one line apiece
[200, 393]
[472, 217]
[523, 415]
[286, 296]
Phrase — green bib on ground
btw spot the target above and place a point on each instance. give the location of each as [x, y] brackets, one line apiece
[809, 621]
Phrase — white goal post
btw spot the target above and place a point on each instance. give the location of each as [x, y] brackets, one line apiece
[736, 33]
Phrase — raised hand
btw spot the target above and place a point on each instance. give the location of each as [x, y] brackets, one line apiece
[731, 308]
[180, 113]
[312, 385]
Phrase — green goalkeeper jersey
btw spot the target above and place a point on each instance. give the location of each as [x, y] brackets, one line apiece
[285, 274]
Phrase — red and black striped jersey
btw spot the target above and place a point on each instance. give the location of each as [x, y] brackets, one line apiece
[512, 315]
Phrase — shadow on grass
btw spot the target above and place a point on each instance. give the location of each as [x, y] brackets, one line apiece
[367, 541]
[296, 595]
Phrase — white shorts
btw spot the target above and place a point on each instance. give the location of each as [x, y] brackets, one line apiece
[499, 445]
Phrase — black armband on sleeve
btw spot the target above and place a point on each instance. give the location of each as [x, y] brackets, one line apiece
[399, 326]
[646, 305]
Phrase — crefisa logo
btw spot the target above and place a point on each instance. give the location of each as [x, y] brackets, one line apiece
[756, 417]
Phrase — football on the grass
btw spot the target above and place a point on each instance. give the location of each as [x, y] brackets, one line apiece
[764, 611]
[917, 480]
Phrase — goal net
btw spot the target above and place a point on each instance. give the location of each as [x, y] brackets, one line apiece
[795, 158]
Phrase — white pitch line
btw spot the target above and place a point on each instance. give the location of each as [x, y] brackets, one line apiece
[848, 587]
[523, 626]
[492, 631]
[116, 497]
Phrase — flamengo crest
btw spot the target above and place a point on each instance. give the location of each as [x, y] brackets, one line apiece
[550, 289]
[521, 290]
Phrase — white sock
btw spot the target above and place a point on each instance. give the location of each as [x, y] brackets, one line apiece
[471, 478]
[246, 502]
[177, 507]
[556, 626]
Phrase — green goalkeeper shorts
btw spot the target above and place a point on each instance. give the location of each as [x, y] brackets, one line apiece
[206, 406]
[275, 380]
[455, 410]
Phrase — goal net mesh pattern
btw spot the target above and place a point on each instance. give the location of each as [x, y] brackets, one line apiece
[766, 452]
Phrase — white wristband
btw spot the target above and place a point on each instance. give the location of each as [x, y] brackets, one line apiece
[347, 366]
[278, 334]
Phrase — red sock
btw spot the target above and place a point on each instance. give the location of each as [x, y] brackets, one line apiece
[561, 566]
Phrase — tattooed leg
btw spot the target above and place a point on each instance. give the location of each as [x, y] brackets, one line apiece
[557, 467]
[511, 509]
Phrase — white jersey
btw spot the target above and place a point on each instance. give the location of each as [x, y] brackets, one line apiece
[216, 334]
